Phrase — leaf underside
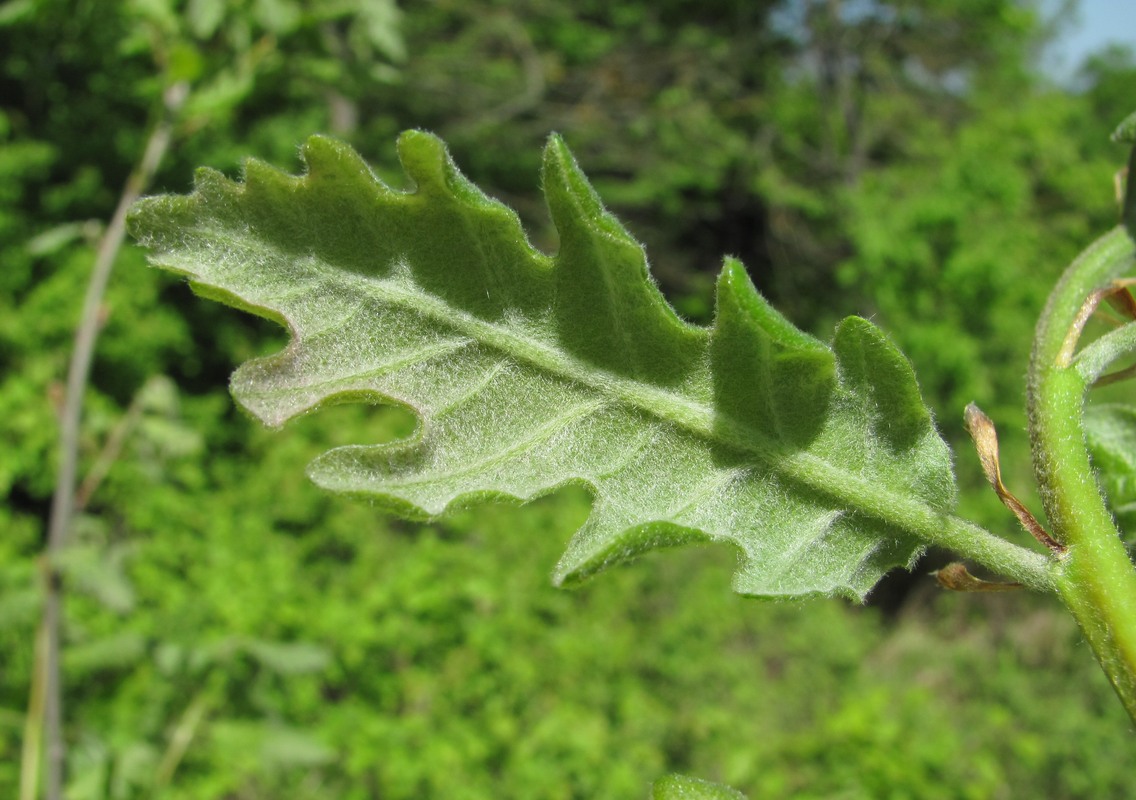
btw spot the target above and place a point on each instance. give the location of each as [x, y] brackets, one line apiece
[529, 372]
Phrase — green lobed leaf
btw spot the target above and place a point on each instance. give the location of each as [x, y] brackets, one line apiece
[529, 372]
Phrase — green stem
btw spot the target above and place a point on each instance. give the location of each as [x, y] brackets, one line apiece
[63, 501]
[1095, 577]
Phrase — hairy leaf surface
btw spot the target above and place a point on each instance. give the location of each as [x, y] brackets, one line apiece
[529, 372]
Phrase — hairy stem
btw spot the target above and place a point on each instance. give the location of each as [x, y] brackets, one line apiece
[1095, 577]
[63, 501]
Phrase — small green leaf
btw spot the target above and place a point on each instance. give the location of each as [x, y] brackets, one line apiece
[1110, 429]
[1100, 354]
[682, 787]
[530, 372]
[1125, 132]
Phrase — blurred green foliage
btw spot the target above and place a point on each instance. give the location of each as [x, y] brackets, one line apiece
[231, 632]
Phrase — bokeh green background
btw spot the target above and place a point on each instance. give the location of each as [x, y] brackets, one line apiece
[233, 633]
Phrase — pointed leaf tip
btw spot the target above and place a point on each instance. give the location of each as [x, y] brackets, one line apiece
[871, 363]
[330, 158]
[319, 150]
[608, 309]
[428, 163]
[887, 398]
[738, 295]
[593, 549]
[573, 202]
[425, 160]
[768, 375]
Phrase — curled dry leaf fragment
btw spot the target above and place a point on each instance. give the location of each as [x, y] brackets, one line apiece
[957, 578]
[985, 437]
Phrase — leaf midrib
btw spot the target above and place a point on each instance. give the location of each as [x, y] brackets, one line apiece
[799, 466]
